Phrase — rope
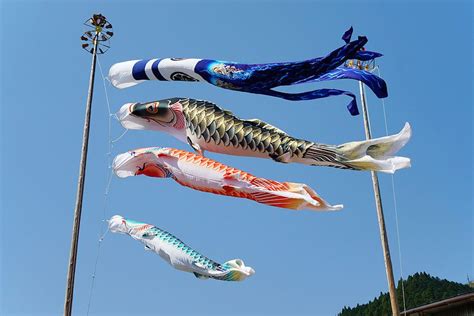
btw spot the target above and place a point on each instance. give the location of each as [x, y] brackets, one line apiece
[394, 206]
[102, 234]
[120, 137]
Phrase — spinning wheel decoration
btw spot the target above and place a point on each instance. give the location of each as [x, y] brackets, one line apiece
[101, 32]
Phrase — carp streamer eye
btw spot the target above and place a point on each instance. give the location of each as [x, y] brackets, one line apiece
[152, 108]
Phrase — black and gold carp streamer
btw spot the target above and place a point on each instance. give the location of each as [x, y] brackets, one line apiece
[207, 127]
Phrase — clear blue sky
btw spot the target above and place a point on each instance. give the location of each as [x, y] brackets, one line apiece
[306, 263]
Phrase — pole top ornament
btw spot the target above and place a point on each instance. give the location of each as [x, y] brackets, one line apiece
[100, 31]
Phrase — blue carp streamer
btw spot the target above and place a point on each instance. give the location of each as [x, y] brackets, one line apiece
[260, 78]
[177, 253]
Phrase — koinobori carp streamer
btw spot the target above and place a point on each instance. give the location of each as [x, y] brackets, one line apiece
[204, 174]
[207, 127]
[178, 254]
[259, 78]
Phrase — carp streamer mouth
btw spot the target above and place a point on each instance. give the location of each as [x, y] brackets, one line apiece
[131, 107]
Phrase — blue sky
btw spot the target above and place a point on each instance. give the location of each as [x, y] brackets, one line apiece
[306, 263]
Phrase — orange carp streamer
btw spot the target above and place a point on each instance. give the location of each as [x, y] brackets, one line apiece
[207, 175]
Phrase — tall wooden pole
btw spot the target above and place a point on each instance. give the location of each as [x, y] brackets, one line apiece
[102, 32]
[380, 217]
[80, 190]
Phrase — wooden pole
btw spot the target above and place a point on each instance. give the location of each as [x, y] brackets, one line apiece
[380, 217]
[80, 190]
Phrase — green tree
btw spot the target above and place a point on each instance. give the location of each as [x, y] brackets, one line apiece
[420, 289]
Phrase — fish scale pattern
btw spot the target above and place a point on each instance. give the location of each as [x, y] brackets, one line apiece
[214, 125]
[229, 171]
[155, 232]
[209, 163]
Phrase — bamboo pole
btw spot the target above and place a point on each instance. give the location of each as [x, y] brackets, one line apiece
[80, 190]
[380, 216]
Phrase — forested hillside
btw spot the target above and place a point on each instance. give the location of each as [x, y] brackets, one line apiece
[420, 289]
